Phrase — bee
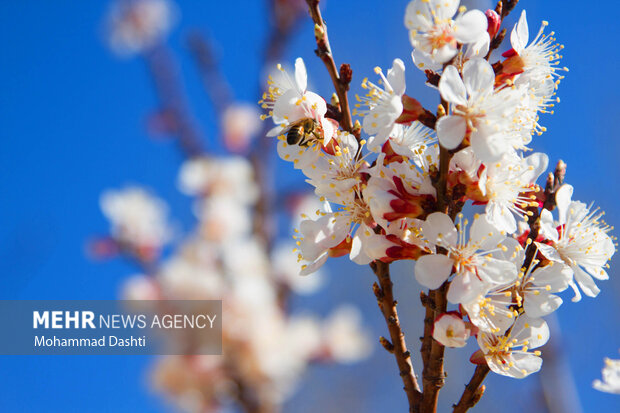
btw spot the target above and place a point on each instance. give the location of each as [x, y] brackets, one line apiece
[304, 131]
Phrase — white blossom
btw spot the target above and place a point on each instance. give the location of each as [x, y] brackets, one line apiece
[472, 262]
[137, 218]
[135, 26]
[384, 102]
[435, 35]
[346, 340]
[288, 100]
[578, 239]
[478, 110]
[509, 354]
[611, 377]
[450, 330]
[509, 186]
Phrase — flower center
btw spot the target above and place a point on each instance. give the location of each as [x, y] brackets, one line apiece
[440, 36]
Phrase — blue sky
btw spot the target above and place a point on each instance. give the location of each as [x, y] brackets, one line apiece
[73, 124]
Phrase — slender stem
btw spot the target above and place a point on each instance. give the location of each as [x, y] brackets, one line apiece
[172, 99]
[503, 9]
[473, 391]
[325, 53]
[214, 81]
[433, 375]
[435, 302]
[397, 346]
[441, 184]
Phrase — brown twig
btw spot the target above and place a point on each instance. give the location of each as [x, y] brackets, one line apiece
[213, 79]
[554, 181]
[397, 346]
[383, 291]
[170, 94]
[503, 9]
[473, 391]
[507, 7]
[496, 42]
[340, 78]
[433, 375]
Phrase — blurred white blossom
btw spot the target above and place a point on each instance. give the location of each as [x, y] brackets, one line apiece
[611, 377]
[135, 26]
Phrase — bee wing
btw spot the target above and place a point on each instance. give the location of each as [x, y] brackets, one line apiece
[290, 126]
[276, 131]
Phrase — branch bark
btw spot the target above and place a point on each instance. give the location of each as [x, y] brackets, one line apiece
[473, 390]
[435, 302]
[433, 375]
[397, 346]
[323, 51]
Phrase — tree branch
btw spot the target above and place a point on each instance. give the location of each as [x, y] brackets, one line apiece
[473, 390]
[433, 376]
[503, 9]
[340, 79]
[213, 79]
[397, 346]
[169, 91]
[435, 302]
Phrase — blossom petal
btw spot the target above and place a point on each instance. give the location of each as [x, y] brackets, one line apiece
[444, 53]
[547, 227]
[423, 61]
[501, 217]
[563, 198]
[556, 275]
[301, 76]
[478, 48]
[287, 108]
[484, 234]
[520, 34]
[316, 104]
[540, 305]
[526, 364]
[330, 127]
[465, 287]
[489, 148]
[535, 164]
[396, 77]
[497, 271]
[315, 265]
[470, 26]
[451, 86]
[451, 131]
[432, 270]
[549, 252]
[585, 281]
[533, 330]
[479, 77]
[418, 17]
[444, 9]
[366, 246]
[440, 230]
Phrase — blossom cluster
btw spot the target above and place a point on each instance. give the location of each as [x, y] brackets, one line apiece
[135, 26]
[266, 349]
[267, 342]
[394, 185]
[611, 377]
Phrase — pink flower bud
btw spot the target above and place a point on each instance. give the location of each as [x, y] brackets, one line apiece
[494, 22]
